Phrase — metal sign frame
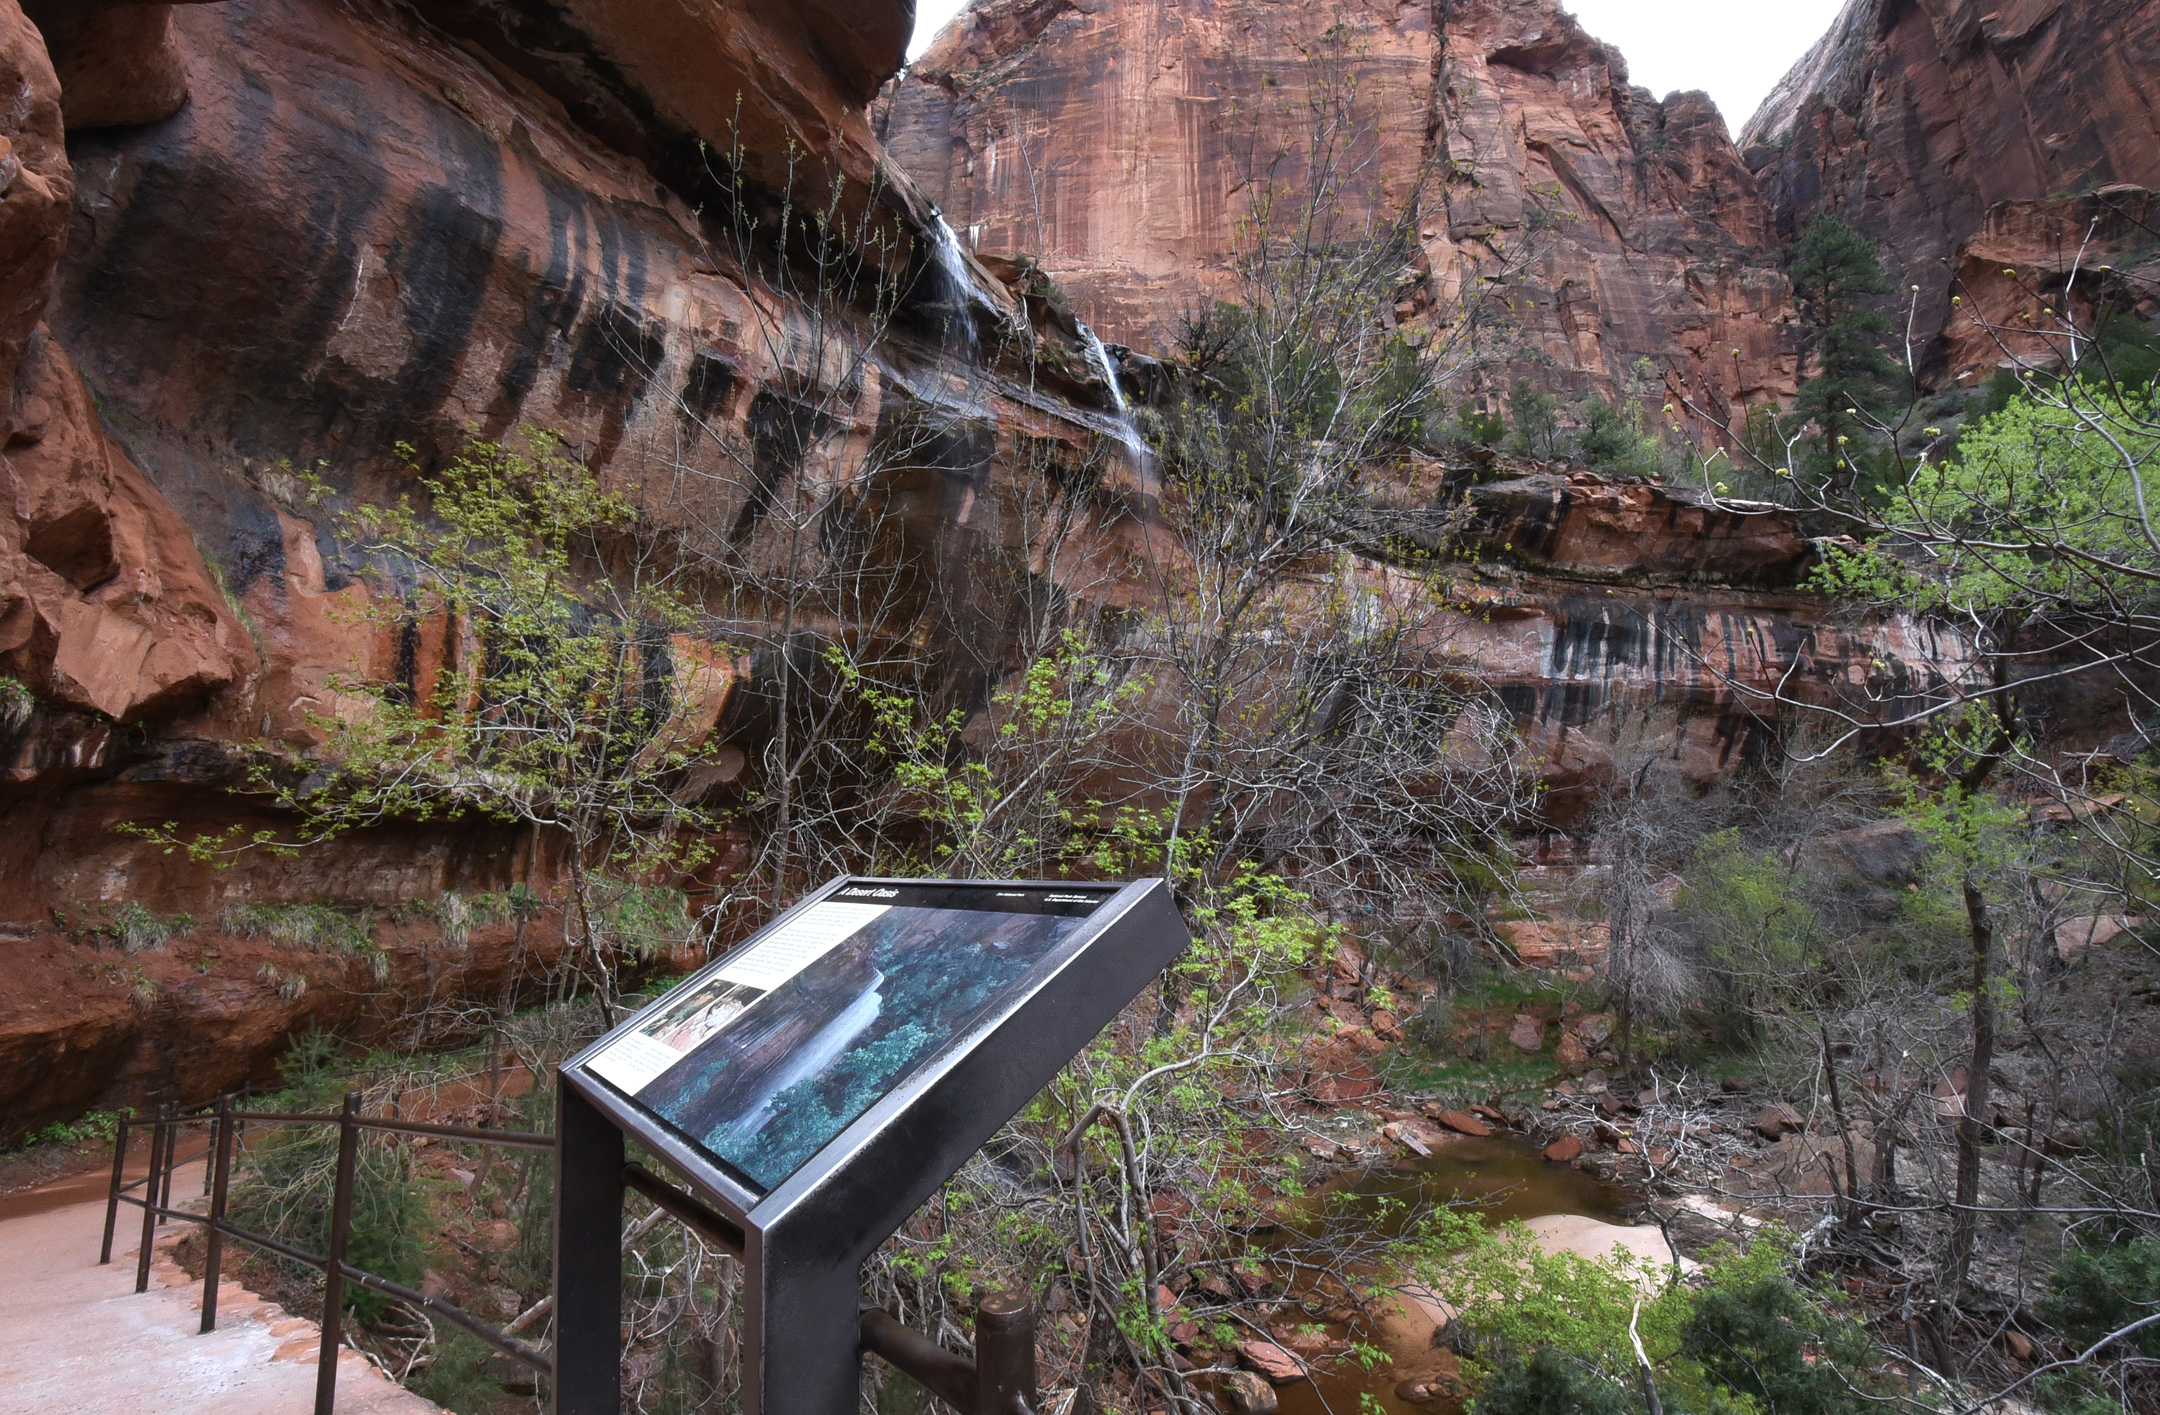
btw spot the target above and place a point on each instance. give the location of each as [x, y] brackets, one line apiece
[804, 1242]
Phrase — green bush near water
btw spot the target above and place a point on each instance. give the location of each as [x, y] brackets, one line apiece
[1553, 1332]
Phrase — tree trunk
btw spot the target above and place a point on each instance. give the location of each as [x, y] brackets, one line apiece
[1972, 1120]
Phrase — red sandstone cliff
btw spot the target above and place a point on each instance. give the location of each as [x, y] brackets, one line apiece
[1970, 138]
[1116, 143]
[297, 232]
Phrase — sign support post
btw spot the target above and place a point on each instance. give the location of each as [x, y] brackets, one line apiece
[588, 1257]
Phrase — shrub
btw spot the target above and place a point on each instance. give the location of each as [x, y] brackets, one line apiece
[1610, 441]
[1537, 419]
[316, 927]
[91, 1125]
[1766, 1340]
[1548, 1383]
[2094, 1291]
[17, 703]
[135, 928]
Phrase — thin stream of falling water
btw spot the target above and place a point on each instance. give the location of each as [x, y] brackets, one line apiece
[959, 298]
[1129, 430]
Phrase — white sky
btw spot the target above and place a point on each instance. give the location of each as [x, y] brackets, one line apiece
[1735, 49]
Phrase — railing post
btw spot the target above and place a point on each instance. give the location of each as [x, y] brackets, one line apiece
[334, 1270]
[1005, 1356]
[112, 1198]
[160, 1137]
[220, 1173]
[172, 1157]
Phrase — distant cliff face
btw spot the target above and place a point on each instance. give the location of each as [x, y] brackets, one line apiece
[1117, 142]
[1917, 120]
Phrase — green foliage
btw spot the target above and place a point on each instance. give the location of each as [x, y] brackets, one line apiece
[568, 697]
[1554, 1331]
[457, 1378]
[135, 928]
[2041, 507]
[1537, 419]
[98, 1125]
[1760, 932]
[2124, 355]
[1548, 1383]
[998, 790]
[640, 921]
[1478, 427]
[1518, 1298]
[1766, 1340]
[2094, 1291]
[17, 703]
[1613, 440]
[1836, 276]
[284, 1189]
[317, 927]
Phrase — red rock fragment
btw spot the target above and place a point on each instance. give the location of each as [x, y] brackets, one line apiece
[1464, 1123]
[1272, 1361]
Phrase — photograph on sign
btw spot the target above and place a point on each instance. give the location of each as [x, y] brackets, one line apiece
[764, 1058]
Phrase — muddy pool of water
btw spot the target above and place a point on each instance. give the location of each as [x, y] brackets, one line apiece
[1508, 1179]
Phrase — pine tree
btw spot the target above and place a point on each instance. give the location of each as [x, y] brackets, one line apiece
[1836, 274]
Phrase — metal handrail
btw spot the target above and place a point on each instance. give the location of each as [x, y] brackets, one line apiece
[155, 1201]
[1001, 1380]
[487, 1135]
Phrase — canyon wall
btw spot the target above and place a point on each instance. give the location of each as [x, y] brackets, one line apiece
[285, 237]
[1983, 146]
[292, 238]
[1618, 239]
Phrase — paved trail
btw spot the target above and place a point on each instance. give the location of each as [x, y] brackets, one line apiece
[76, 1338]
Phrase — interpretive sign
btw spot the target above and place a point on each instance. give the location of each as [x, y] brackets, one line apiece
[820, 1082]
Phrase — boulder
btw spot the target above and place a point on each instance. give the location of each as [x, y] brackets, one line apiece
[1800, 1164]
[1595, 1028]
[1554, 943]
[1565, 1150]
[1463, 1123]
[106, 606]
[1777, 1120]
[2074, 937]
[1527, 1033]
[1244, 1393]
[119, 62]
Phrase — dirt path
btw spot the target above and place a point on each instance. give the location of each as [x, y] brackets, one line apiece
[76, 1338]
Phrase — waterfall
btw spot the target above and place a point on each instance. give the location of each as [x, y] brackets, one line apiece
[1129, 430]
[1100, 357]
[957, 297]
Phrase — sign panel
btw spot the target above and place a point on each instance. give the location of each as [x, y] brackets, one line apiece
[820, 1082]
[763, 1058]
